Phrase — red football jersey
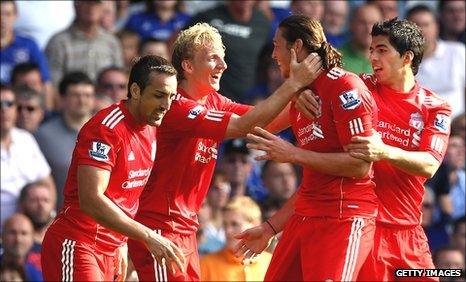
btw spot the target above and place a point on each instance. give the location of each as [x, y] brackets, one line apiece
[187, 140]
[347, 110]
[415, 121]
[114, 141]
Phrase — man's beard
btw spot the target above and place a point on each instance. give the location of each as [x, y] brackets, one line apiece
[37, 222]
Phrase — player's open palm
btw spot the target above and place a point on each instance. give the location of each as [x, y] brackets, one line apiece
[165, 252]
[275, 148]
[121, 263]
[304, 72]
[252, 242]
[368, 148]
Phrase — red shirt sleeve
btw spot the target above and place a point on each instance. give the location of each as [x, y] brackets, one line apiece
[353, 110]
[98, 146]
[187, 118]
[239, 109]
[436, 132]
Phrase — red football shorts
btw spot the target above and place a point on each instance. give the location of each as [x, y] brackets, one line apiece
[397, 248]
[149, 270]
[319, 249]
[68, 260]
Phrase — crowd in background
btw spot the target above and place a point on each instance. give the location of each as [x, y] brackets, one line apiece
[62, 61]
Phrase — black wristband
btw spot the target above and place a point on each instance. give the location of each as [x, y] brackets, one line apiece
[270, 224]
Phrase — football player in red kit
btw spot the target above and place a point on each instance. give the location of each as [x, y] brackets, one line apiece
[330, 220]
[188, 140]
[413, 131]
[112, 160]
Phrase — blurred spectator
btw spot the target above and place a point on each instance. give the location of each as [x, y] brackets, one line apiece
[458, 126]
[130, 42]
[443, 64]
[112, 82]
[108, 19]
[436, 232]
[449, 257]
[16, 48]
[42, 19]
[204, 216]
[102, 101]
[193, 7]
[12, 273]
[389, 8]
[83, 46]
[245, 32]
[30, 105]
[239, 214]
[237, 164]
[57, 136]
[160, 20]
[455, 160]
[280, 180]
[334, 22]
[311, 8]
[274, 14]
[356, 51]
[17, 239]
[29, 74]
[458, 237]
[217, 197]
[152, 46]
[22, 160]
[452, 16]
[38, 205]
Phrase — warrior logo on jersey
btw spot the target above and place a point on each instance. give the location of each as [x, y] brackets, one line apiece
[416, 121]
[442, 122]
[194, 112]
[99, 151]
[350, 99]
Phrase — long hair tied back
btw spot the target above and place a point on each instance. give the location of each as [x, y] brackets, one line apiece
[312, 34]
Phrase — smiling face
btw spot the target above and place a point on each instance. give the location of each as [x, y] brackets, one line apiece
[155, 99]
[387, 63]
[206, 67]
[281, 52]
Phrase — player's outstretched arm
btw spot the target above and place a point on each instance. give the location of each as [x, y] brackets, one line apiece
[92, 183]
[255, 240]
[279, 150]
[373, 149]
[301, 75]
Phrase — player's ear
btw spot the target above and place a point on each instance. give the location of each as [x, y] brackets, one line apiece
[298, 45]
[187, 66]
[408, 57]
[135, 91]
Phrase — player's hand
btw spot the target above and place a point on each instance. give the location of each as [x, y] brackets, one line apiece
[165, 252]
[121, 263]
[252, 242]
[275, 148]
[304, 73]
[309, 104]
[368, 148]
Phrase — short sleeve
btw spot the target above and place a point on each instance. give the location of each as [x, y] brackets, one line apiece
[353, 111]
[434, 136]
[187, 118]
[98, 146]
[239, 109]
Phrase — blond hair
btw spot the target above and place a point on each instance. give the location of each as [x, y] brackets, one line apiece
[190, 40]
[246, 207]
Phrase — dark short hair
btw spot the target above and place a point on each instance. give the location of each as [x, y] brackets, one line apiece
[27, 93]
[404, 36]
[73, 78]
[22, 69]
[28, 187]
[419, 9]
[144, 66]
[104, 71]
